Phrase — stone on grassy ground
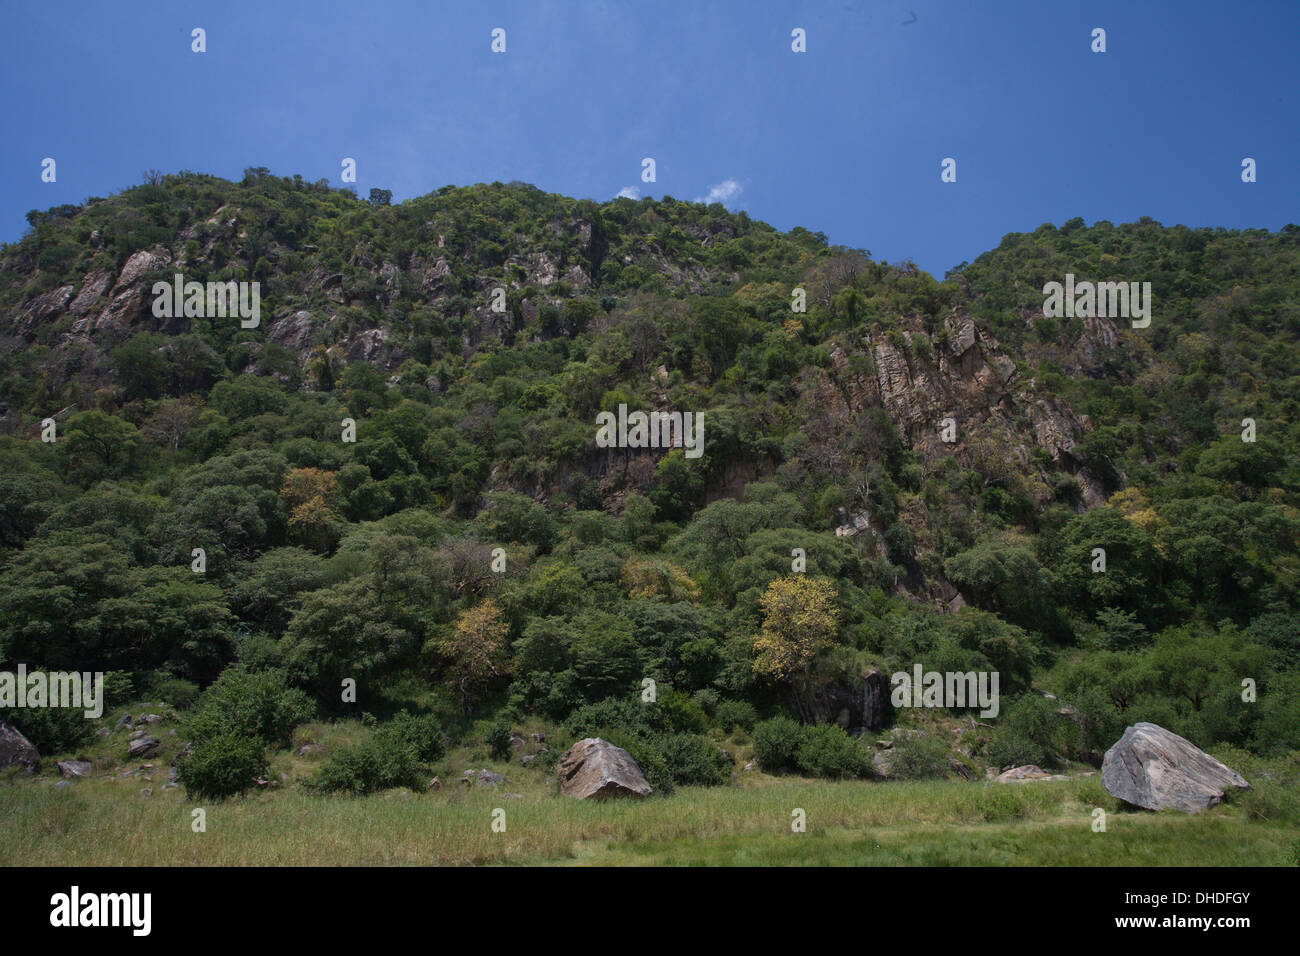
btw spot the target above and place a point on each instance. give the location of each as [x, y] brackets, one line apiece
[1153, 768]
[595, 768]
[75, 768]
[144, 747]
[1027, 772]
[17, 749]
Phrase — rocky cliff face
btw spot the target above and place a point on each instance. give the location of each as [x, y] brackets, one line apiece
[856, 704]
[103, 309]
[952, 392]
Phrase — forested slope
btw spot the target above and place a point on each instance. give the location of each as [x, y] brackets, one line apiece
[944, 458]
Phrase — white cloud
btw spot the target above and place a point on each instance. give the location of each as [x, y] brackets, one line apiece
[724, 192]
[629, 192]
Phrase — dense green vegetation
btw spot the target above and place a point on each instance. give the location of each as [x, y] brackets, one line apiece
[329, 562]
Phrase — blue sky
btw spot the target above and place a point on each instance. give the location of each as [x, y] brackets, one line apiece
[846, 139]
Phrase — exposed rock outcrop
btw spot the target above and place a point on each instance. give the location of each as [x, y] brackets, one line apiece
[293, 331]
[372, 346]
[141, 264]
[856, 704]
[92, 287]
[41, 308]
[922, 380]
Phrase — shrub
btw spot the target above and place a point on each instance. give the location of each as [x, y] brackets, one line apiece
[731, 714]
[776, 743]
[918, 757]
[119, 688]
[395, 755]
[694, 760]
[55, 730]
[498, 739]
[260, 652]
[222, 766]
[178, 692]
[675, 712]
[422, 734]
[383, 761]
[51, 730]
[612, 714]
[1027, 733]
[1274, 794]
[1009, 749]
[827, 751]
[249, 704]
[707, 698]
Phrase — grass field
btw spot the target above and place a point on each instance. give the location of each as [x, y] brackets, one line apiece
[102, 822]
[107, 820]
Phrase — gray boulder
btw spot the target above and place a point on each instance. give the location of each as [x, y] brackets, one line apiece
[595, 768]
[1152, 768]
[486, 778]
[75, 768]
[144, 747]
[17, 749]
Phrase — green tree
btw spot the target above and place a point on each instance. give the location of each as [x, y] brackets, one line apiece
[343, 631]
[98, 445]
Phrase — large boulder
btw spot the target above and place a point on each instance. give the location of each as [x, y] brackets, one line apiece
[596, 768]
[17, 749]
[1152, 768]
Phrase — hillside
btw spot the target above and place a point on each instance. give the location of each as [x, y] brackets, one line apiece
[944, 457]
